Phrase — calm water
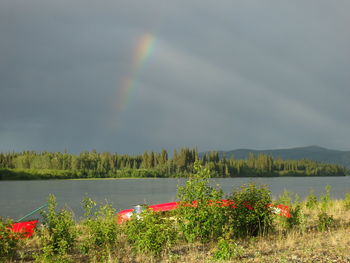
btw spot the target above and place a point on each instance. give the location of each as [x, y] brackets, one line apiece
[17, 198]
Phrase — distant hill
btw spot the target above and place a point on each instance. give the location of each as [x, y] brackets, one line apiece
[314, 153]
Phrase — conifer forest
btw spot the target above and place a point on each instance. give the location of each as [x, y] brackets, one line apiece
[92, 164]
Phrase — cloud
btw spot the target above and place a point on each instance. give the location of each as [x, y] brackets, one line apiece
[238, 74]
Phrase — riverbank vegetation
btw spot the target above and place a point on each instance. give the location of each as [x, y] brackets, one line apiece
[47, 165]
[252, 231]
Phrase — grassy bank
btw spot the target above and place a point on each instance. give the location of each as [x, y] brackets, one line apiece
[248, 231]
[330, 246]
[46, 174]
[298, 244]
[36, 174]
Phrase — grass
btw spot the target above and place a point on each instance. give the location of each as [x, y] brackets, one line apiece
[52, 174]
[332, 246]
[312, 246]
[293, 245]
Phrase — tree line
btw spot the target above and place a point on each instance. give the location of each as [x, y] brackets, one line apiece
[92, 164]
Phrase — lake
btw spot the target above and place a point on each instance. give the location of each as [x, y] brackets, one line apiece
[17, 198]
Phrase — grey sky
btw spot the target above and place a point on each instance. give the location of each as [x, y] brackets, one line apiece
[222, 75]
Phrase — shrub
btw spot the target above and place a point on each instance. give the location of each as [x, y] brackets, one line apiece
[99, 229]
[227, 250]
[325, 221]
[285, 198]
[296, 199]
[296, 219]
[9, 241]
[150, 232]
[326, 198]
[58, 235]
[347, 201]
[252, 215]
[311, 200]
[200, 217]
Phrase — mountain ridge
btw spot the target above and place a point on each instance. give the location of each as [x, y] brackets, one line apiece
[312, 152]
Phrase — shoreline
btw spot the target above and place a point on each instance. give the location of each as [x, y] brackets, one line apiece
[282, 244]
[152, 178]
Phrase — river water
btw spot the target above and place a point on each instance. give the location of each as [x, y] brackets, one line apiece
[17, 198]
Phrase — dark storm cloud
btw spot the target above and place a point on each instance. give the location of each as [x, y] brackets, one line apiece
[259, 74]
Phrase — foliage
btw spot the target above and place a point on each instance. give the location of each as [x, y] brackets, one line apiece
[31, 165]
[200, 216]
[99, 229]
[297, 217]
[311, 200]
[285, 198]
[227, 250]
[150, 232]
[36, 174]
[58, 235]
[137, 173]
[295, 221]
[160, 233]
[9, 241]
[326, 198]
[325, 221]
[347, 201]
[252, 215]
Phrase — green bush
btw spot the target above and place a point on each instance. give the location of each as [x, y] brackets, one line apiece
[150, 232]
[9, 241]
[326, 198]
[252, 215]
[325, 221]
[58, 234]
[227, 250]
[285, 198]
[35, 174]
[311, 200]
[296, 220]
[347, 201]
[99, 230]
[200, 217]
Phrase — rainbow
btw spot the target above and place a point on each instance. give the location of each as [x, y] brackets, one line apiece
[142, 51]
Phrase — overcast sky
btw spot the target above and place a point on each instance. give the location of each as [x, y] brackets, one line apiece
[222, 75]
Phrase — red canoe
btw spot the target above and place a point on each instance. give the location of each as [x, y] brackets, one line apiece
[26, 228]
[125, 215]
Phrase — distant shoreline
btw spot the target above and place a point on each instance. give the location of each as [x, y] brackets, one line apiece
[33, 165]
[153, 178]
